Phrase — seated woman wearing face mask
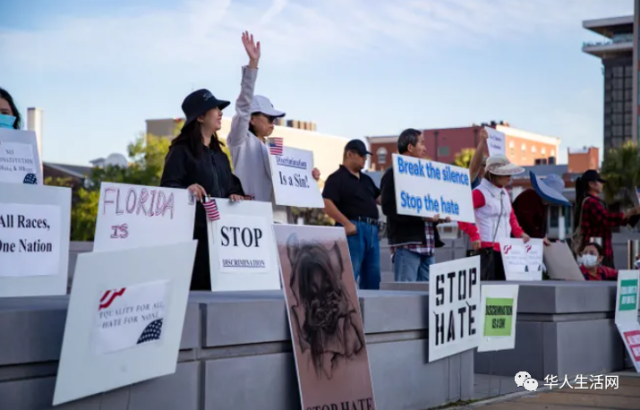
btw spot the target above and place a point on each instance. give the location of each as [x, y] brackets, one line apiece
[590, 261]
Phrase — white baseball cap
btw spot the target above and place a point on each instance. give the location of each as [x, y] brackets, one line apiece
[262, 105]
[501, 166]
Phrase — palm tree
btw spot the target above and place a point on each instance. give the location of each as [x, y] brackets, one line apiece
[463, 158]
[621, 169]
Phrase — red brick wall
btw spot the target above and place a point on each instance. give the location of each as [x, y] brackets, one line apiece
[376, 163]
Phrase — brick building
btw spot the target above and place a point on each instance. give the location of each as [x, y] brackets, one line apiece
[523, 148]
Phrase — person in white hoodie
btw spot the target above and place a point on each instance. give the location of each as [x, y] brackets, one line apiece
[252, 124]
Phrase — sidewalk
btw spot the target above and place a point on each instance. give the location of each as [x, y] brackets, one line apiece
[626, 397]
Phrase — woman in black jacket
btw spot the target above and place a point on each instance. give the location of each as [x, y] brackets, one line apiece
[196, 162]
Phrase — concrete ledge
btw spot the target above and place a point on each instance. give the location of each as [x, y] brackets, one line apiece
[236, 354]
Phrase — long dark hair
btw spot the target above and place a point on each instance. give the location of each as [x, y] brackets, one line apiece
[6, 96]
[191, 134]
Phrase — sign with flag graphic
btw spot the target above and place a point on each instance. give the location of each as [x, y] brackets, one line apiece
[242, 251]
[293, 183]
[275, 146]
[211, 208]
[125, 318]
[129, 316]
[522, 261]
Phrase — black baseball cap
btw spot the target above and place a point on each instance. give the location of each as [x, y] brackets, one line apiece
[198, 103]
[358, 147]
[593, 176]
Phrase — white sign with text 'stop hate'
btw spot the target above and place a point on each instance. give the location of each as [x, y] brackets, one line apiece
[35, 222]
[454, 307]
[130, 216]
[291, 174]
[425, 188]
[19, 157]
[496, 142]
[125, 318]
[242, 249]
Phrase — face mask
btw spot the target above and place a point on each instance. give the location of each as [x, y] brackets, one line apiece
[637, 264]
[589, 260]
[7, 121]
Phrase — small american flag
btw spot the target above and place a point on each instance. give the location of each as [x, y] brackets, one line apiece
[152, 332]
[275, 146]
[212, 209]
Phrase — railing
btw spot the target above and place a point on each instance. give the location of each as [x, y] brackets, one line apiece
[626, 38]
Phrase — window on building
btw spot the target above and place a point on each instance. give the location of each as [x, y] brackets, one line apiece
[443, 151]
[511, 144]
[524, 147]
[533, 150]
[382, 155]
[553, 216]
[543, 151]
[553, 153]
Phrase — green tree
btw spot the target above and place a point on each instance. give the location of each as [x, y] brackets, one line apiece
[621, 169]
[463, 158]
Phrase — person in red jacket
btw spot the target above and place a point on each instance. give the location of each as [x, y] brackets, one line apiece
[495, 219]
[591, 264]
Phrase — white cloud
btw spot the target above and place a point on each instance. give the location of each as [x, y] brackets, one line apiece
[207, 31]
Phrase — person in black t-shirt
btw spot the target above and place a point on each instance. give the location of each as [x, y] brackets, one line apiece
[351, 199]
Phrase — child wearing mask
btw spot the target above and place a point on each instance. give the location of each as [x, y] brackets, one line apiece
[590, 261]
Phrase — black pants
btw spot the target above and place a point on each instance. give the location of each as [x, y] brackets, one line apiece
[201, 276]
[491, 266]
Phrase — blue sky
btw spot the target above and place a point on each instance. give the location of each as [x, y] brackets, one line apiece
[98, 69]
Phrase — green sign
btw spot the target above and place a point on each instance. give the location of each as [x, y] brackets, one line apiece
[498, 317]
[628, 294]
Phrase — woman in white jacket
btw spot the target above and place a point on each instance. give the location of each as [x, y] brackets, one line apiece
[252, 124]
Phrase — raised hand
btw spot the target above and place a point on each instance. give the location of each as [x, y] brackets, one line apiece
[252, 49]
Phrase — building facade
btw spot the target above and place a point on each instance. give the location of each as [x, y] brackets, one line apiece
[443, 145]
[616, 53]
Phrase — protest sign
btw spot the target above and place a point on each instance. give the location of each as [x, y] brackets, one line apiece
[496, 142]
[125, 318]
[291, 174]
[135, 215]
[242, 250]
[498, 311]
[34, 239]
[324, 317]
[630, 333]
[522, 261]
[19, 157]
[426, 188]
[560, 262]
[627, 297]
[453, 307]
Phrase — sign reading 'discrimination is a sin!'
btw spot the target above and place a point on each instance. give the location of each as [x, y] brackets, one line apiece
[426, 188]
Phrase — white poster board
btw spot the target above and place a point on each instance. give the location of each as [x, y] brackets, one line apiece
[19, 157]
[242, 248]
[35, 223]
[630, 333]
[498, 313]
[125, 318]
[426, 188]
[293, 183]
[522, 261]
[496, 142]
[560, 262]
[130, 216]
[627, 297]
[454, 302]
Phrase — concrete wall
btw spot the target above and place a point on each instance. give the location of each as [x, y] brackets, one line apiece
[235, 354]
[562, 328]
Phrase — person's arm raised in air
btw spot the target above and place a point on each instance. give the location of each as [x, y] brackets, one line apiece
[240, 124]
[476, 160]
